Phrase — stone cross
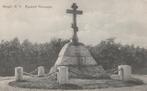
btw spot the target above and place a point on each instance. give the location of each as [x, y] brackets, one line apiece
[75, 12]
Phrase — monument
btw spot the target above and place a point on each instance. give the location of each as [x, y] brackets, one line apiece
[75, 56]
[75, 68]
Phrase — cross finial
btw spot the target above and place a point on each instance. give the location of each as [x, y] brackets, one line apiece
[75, 12]
[74, 6]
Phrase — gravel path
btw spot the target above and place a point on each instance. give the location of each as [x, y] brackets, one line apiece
[5, 87]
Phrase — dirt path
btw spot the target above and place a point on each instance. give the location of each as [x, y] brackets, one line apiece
[5, 87]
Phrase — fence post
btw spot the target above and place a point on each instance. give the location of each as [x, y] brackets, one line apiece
[18, 73]
[41, 71]
[62, 75]
[124, 71]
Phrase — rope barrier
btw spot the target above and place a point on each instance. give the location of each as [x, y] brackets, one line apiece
[86, 75]
[28, 74]
[47, 76]
[31, 73]
[115, 70]
[35, 70]
[51, 74]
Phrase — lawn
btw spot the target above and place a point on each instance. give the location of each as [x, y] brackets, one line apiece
[45, 83]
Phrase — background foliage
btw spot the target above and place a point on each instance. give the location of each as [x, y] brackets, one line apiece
[30, 55]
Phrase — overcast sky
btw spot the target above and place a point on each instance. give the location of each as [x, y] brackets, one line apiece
[124, 19]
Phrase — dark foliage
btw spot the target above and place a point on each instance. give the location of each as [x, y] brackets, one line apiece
[110, 54]
[28, 55]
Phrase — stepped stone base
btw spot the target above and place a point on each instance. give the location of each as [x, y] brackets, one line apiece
[85, 72]
[79, 62]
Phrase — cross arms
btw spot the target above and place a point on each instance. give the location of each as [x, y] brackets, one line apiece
[74, 11]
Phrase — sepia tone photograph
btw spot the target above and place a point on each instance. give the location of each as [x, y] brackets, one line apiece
[73, 45]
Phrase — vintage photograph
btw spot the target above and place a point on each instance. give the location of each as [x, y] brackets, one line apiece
[63, 45]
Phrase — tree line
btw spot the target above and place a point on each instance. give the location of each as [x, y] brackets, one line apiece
[30, 55]
[110, 54]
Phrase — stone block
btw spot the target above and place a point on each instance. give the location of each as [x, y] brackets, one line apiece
[124, 71]
[19, 73]
[41, 71]
[62, 75]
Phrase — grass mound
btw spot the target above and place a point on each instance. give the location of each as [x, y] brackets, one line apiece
[135, 81]
[69, 86]
[38, 83]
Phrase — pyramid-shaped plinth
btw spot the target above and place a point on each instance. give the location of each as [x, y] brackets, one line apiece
[79, 62]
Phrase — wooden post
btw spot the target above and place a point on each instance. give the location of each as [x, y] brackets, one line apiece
[19, 73]
[41, 71]
[62, 75]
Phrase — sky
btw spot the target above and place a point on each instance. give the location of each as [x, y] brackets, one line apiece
[126, 20]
